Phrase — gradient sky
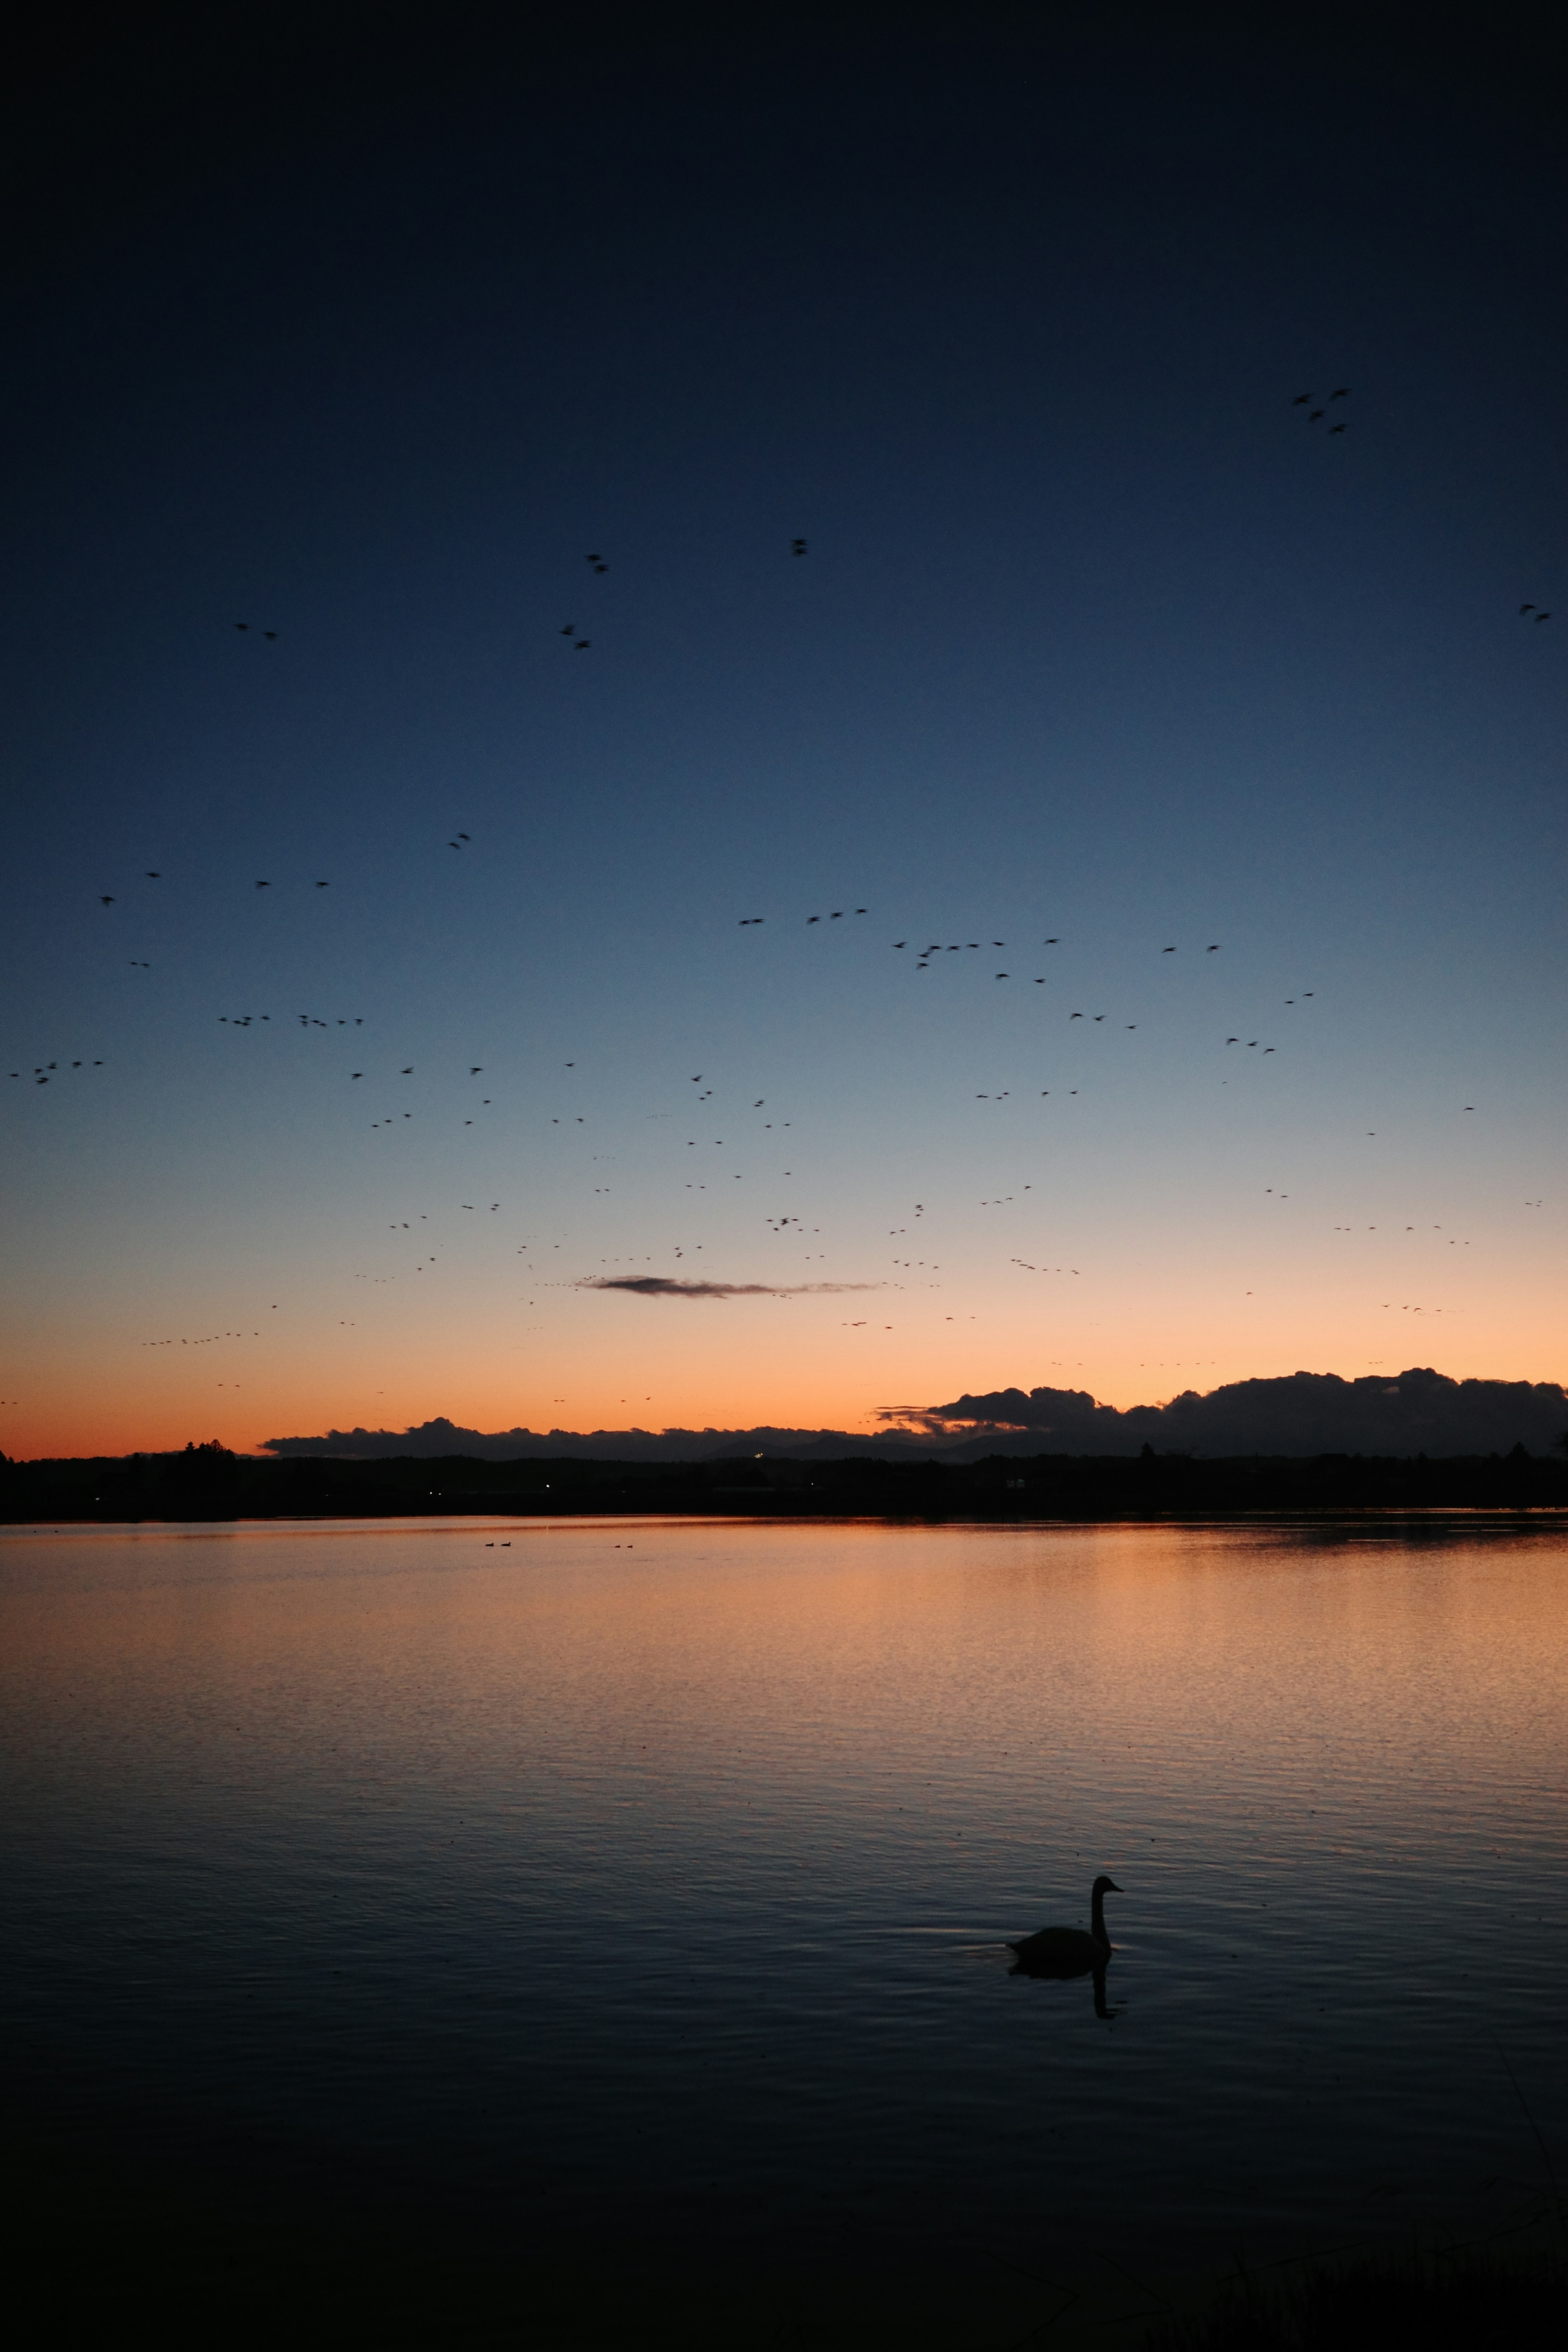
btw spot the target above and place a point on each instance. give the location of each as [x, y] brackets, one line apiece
[1098, 639]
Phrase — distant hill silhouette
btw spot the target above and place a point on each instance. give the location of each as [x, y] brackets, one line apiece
[1303, 1413]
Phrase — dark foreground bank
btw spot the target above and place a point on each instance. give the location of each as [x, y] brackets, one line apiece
[1473, 2298]
[103, 2252]
[203, 1482]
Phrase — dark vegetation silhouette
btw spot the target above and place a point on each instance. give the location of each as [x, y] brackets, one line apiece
[207, 1482]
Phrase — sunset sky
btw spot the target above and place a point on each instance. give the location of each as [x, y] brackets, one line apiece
[1099, 639]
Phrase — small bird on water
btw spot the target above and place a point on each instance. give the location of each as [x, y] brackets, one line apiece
[1070, 1951]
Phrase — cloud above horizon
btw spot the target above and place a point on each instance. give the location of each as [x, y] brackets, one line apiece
[1418, 1410]
[660, 1286]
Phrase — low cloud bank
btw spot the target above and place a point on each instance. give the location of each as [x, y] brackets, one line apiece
[433, 1438]
[1416, 1412]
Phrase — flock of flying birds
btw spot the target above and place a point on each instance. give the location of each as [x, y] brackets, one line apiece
[786, 1226]
[922, 957]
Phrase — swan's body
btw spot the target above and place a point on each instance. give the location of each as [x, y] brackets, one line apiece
[1070, 1951]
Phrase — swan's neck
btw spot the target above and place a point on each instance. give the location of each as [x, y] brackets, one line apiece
[1097, 1916]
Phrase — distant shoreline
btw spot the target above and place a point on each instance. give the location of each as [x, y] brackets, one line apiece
[207, 1483]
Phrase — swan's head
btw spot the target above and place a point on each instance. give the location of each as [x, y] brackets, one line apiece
[1103, 1885]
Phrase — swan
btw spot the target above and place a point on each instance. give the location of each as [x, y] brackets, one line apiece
[1069, 1951]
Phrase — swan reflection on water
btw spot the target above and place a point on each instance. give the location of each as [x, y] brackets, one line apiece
[1064, 1952]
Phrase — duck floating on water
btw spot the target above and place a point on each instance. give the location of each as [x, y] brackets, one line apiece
[1070, 1951]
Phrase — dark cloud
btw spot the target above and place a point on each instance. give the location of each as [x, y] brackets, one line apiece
[443, 1440]
[1419, 1411]
[660, 1286]
[1396, 1414]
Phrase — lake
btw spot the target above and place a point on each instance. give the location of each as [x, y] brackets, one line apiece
[633, 1896]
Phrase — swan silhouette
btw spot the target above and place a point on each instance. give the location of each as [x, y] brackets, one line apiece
[1070, 1951]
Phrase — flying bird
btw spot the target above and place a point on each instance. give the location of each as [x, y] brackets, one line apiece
[1543, 617]
[1301, 400]
[1342, 393]
[797, 547]
[1524, 609]
[1314, 416]
[1333, 429]
[105, 902]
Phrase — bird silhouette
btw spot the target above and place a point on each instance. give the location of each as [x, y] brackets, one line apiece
[1342, 392]
[1301, 400]
[1070, 1951]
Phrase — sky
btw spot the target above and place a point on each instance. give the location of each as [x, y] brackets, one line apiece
[499, 383]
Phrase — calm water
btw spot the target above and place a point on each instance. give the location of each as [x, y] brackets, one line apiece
[641, 1888]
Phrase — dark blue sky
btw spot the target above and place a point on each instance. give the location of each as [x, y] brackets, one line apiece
[1098, 639]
